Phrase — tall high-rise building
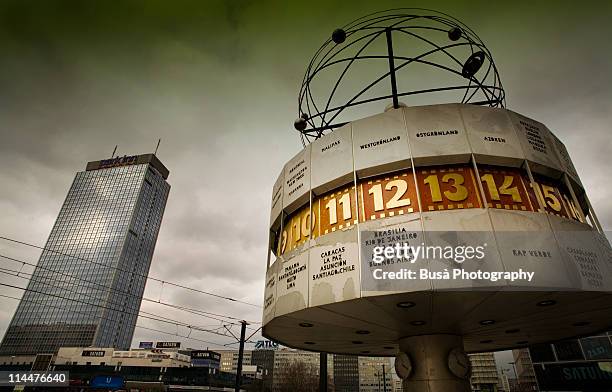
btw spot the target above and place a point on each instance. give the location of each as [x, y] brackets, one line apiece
[346, 373]
[484, 372]
[87, 287]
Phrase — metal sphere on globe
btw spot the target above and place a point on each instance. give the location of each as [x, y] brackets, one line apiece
[473, 64]
[338, 36]
[300, 124]
[454, 34]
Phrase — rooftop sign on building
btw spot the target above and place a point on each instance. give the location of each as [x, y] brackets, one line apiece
[266, 344]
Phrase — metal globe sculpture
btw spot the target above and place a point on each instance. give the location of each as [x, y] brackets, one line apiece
[454, 171]
[396, 42]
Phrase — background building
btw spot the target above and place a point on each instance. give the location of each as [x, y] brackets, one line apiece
[484, 372]
[524, 370]
[93, 356]
[283, 372]
[264, 359]
[278, 368]
[503, 384]
[142, 369]
[229, 360]
[108, 223]
[205, 358]
[583, 364]
[252, 372]
[346, 373]
[373, 377]
[397, 385]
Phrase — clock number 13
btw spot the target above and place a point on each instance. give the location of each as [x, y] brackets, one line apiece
[459, 192]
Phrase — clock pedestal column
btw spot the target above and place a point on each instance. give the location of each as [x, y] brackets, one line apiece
[439, 364]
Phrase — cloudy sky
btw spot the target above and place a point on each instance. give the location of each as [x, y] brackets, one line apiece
[217, 81]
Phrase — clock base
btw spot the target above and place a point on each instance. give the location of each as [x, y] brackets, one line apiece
[439, 364]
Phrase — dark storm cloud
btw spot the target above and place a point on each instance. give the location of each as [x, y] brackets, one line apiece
[217, 81]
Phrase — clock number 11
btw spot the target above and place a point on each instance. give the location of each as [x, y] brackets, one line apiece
[332, 207]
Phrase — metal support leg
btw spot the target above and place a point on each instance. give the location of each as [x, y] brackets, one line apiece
[429, 355]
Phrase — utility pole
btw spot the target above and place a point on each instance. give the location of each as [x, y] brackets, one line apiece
[322, 372]
[240, 356]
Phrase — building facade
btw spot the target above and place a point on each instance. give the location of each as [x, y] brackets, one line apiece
[229, 360]
[376, 374]
[284, 357]
[484, 372]
[525, 374]
[346, 373]
[139, 369]
[275, 365]
[583, 364]
[104, 356]
[205, 358]
[252, 372]
[503, 384]
[87, 287]
[264, 360]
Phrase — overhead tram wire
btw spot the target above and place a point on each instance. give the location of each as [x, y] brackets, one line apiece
[186, 309]
[141, 313]
[131, 272]
[181, 336]
[224, 322]
[16, 273]
[137, 326]
[138, 314]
